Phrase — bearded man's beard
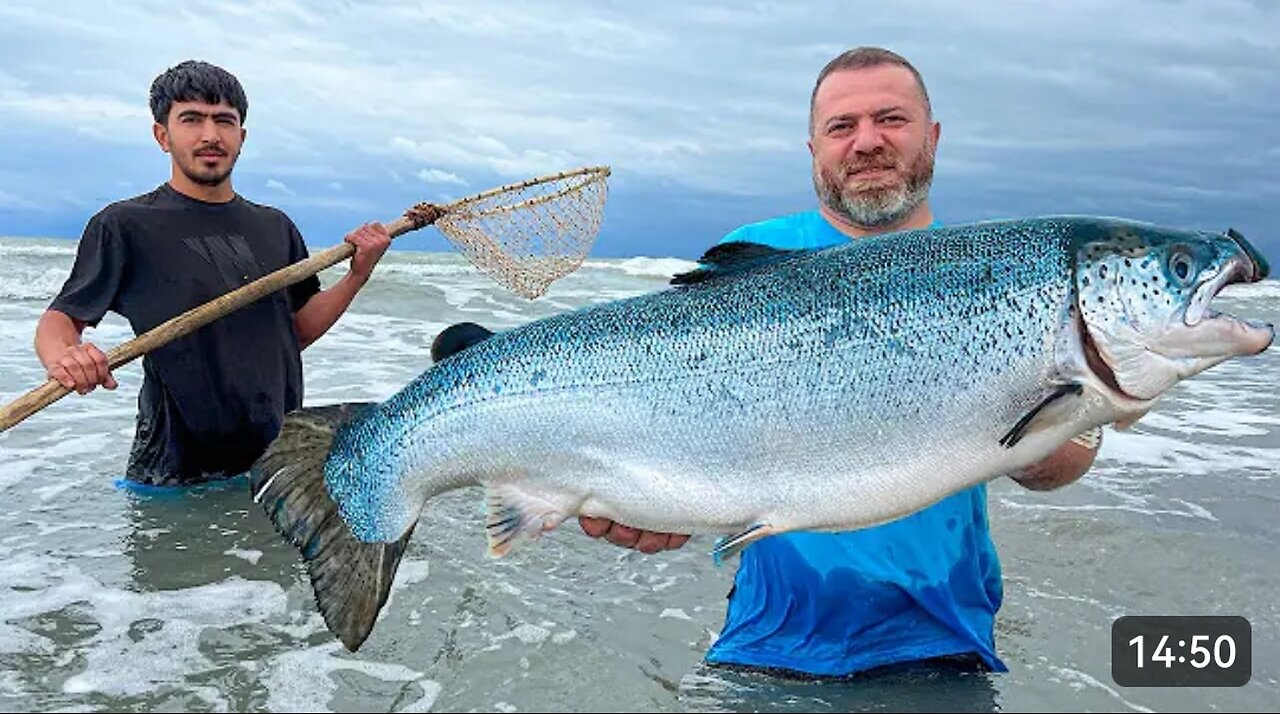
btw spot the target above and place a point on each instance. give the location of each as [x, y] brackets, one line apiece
[880, 203]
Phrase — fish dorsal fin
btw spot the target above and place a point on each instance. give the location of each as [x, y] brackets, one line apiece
[734, 258]
[456, 338]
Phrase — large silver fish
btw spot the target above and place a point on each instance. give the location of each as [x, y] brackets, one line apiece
[768, 391]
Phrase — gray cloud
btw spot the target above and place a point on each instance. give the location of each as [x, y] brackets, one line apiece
[1157, 110]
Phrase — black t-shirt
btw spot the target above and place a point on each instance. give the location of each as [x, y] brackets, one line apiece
[212, 400]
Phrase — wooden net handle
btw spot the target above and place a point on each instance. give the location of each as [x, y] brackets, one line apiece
[190, 321]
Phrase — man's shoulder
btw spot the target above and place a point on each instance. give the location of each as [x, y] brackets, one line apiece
[761, 231]
[268, 213]
[125, 207]
[804, 229]
[266, 208]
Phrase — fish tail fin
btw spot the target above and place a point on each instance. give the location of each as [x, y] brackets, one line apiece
[351, 579]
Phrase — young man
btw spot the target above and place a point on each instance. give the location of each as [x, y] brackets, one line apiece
[925, 587]
[212, 401]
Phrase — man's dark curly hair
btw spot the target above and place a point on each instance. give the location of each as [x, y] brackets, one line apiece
[192, 81]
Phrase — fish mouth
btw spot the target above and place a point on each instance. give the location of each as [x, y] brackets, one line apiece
[1251, 336]
[1202, 337]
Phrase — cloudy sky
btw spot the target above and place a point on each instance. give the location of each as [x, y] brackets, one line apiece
[1159, 110]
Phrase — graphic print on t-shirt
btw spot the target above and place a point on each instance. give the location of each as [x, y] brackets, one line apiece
[230, 256]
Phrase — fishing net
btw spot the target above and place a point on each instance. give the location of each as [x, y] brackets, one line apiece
[525, 235]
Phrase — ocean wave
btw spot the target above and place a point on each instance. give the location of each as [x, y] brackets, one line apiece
[427, 269]
[11, 248]
[1252, 291]
[641, 266]
[27, 282]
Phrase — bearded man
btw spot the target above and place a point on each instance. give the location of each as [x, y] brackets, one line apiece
[922, 590]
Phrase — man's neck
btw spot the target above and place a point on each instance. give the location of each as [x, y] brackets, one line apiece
[921, 217]
[221, 193]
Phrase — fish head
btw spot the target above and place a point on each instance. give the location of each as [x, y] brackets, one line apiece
[1144, 294]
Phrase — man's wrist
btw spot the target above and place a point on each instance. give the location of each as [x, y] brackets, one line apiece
[357, 279]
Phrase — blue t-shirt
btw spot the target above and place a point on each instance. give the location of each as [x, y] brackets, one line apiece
[926, 585]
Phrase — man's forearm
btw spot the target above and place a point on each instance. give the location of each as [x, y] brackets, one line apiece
[1064, 466]
[324, 308]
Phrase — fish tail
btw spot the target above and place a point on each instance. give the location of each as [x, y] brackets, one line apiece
[351, 579]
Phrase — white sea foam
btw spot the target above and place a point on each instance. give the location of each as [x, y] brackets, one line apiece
[526, 633]
[301, 681]
[1267, 289]
[647, 267]
[414, 272]
[561, 638]
[153, 640]
[146, 639]
[18, 471]
[253, 556]
[1080, 680]
[1168, 454]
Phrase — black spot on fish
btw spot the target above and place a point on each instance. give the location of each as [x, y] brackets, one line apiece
[1102, 272]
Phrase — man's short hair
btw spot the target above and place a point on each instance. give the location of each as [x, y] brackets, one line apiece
[863, 58]
[192, 81]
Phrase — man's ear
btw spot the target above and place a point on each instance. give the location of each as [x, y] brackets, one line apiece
[809, 143]
[937, 132]
[162, 136]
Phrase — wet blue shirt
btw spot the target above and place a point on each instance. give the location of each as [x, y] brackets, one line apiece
[926, 585]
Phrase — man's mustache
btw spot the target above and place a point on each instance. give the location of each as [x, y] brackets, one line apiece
[848, 168]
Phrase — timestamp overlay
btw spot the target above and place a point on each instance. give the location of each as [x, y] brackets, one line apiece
[1181, 651]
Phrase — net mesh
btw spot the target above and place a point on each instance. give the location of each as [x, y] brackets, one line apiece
[528, 235]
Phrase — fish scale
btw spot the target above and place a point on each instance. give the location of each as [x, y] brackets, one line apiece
[769, 391]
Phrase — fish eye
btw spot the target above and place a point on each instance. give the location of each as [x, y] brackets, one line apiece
[1182, 267]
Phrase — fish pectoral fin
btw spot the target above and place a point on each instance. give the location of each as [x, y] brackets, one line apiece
[730, 546]
[515, 516]
[1048, 412]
